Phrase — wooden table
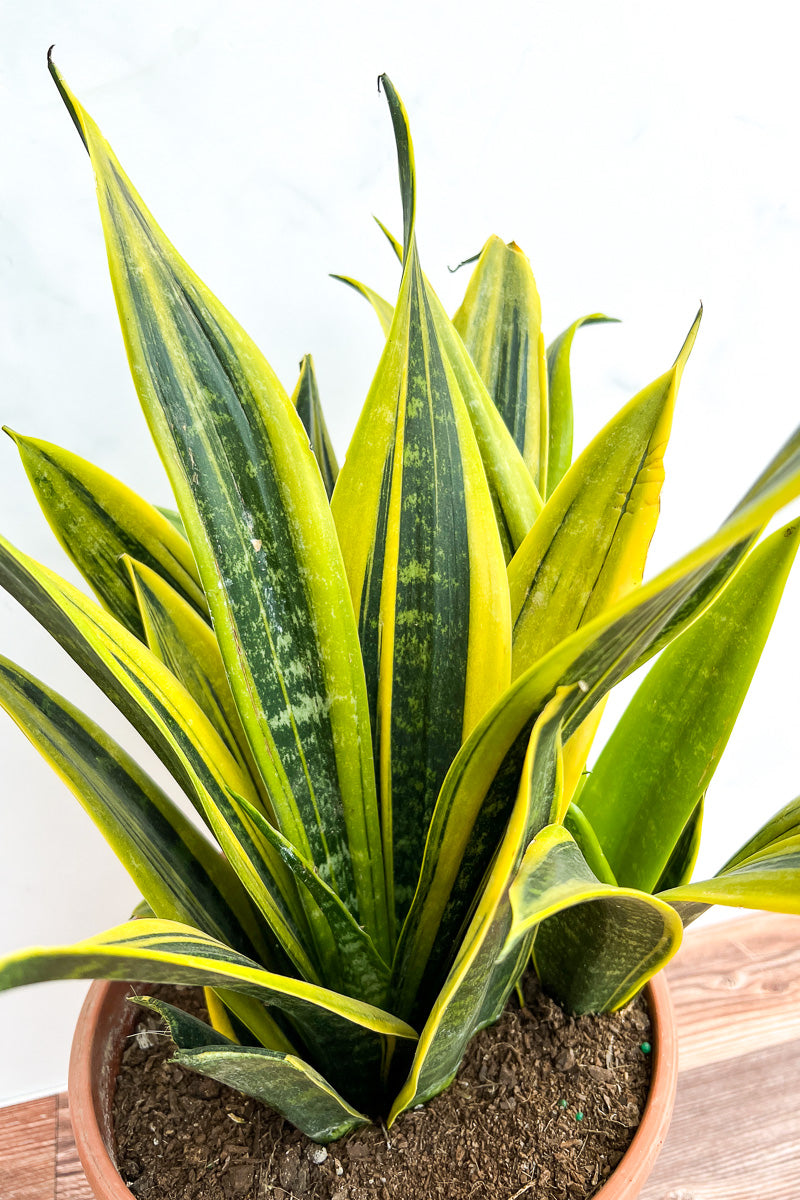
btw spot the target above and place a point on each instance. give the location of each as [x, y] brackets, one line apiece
[735, 1134]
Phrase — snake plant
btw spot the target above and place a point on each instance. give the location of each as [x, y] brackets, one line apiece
[377, 686]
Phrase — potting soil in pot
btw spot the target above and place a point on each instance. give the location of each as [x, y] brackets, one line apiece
[544, 1107]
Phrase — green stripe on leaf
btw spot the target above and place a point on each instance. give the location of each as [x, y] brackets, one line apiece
[98, 520]
[263, 539]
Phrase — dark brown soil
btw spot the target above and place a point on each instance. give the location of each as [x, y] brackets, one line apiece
[544, 1107]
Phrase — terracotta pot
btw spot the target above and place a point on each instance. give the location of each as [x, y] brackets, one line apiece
[106, 1021]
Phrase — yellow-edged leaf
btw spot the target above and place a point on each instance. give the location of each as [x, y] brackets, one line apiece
[257, 516]
[424, 561]
[589, 545]
[500, 323]
[477, 981]
[187, 646]
[175, 725]
[181, 875]
[596, 945]
[279, 1079]
[97, 520]
[382, 308]
[353, 1037]
[477, 794]
[309, 409]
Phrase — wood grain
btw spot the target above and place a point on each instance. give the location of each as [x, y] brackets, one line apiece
[27, 1150]
[735, 1134]
[70, 1182]
[736, 988]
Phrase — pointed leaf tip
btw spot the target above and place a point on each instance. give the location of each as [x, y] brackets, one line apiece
[464, 263]
[70, 103]
[688, 345]
[405, 160]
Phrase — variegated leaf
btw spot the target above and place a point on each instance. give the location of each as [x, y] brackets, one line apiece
[97, 520]
[309, 409]
[589, 545]
[784, 824]
[263, 538]
[351, 964]
[394, 242]
[477, 794]
[559, 401]
[769, 880]
[281, 1080]
[424, 561]
[660, 758]
[500, 320]
[187, 646]
[353, 1037]
[287, 1084]
[382, 308]
[476, 981]
[256, 1025]
[187, 1031]
[596, 945]
[764, 873]
[181, 875]
[174, 724]
[515, 498]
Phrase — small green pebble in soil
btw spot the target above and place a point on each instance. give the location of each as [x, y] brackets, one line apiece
[645, 1047]
[562, 1104]
[578, 1116]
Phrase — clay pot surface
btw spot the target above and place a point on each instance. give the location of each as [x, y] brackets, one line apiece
[105, 1021]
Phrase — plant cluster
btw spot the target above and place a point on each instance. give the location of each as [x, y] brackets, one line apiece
[378, 686]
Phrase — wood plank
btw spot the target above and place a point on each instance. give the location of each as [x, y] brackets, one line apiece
[27, 1150]
[736, 988]
[70, 1182]
[735, 1134]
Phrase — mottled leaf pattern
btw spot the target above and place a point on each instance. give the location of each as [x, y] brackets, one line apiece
[500, 321]
[187, 646]
[352, 1035]
[169, 718]
[596, 945]
[181, 875]
[281, 1080]
[378, 690]
[257, 516]
[97, 520]
[477, 975]
[476, 796]
[424, 561]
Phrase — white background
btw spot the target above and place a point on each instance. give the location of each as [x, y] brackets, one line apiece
[644, 156]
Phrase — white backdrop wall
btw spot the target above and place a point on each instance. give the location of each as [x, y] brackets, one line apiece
[644, 156]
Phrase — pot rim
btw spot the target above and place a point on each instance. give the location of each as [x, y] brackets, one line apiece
[105, 1022]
